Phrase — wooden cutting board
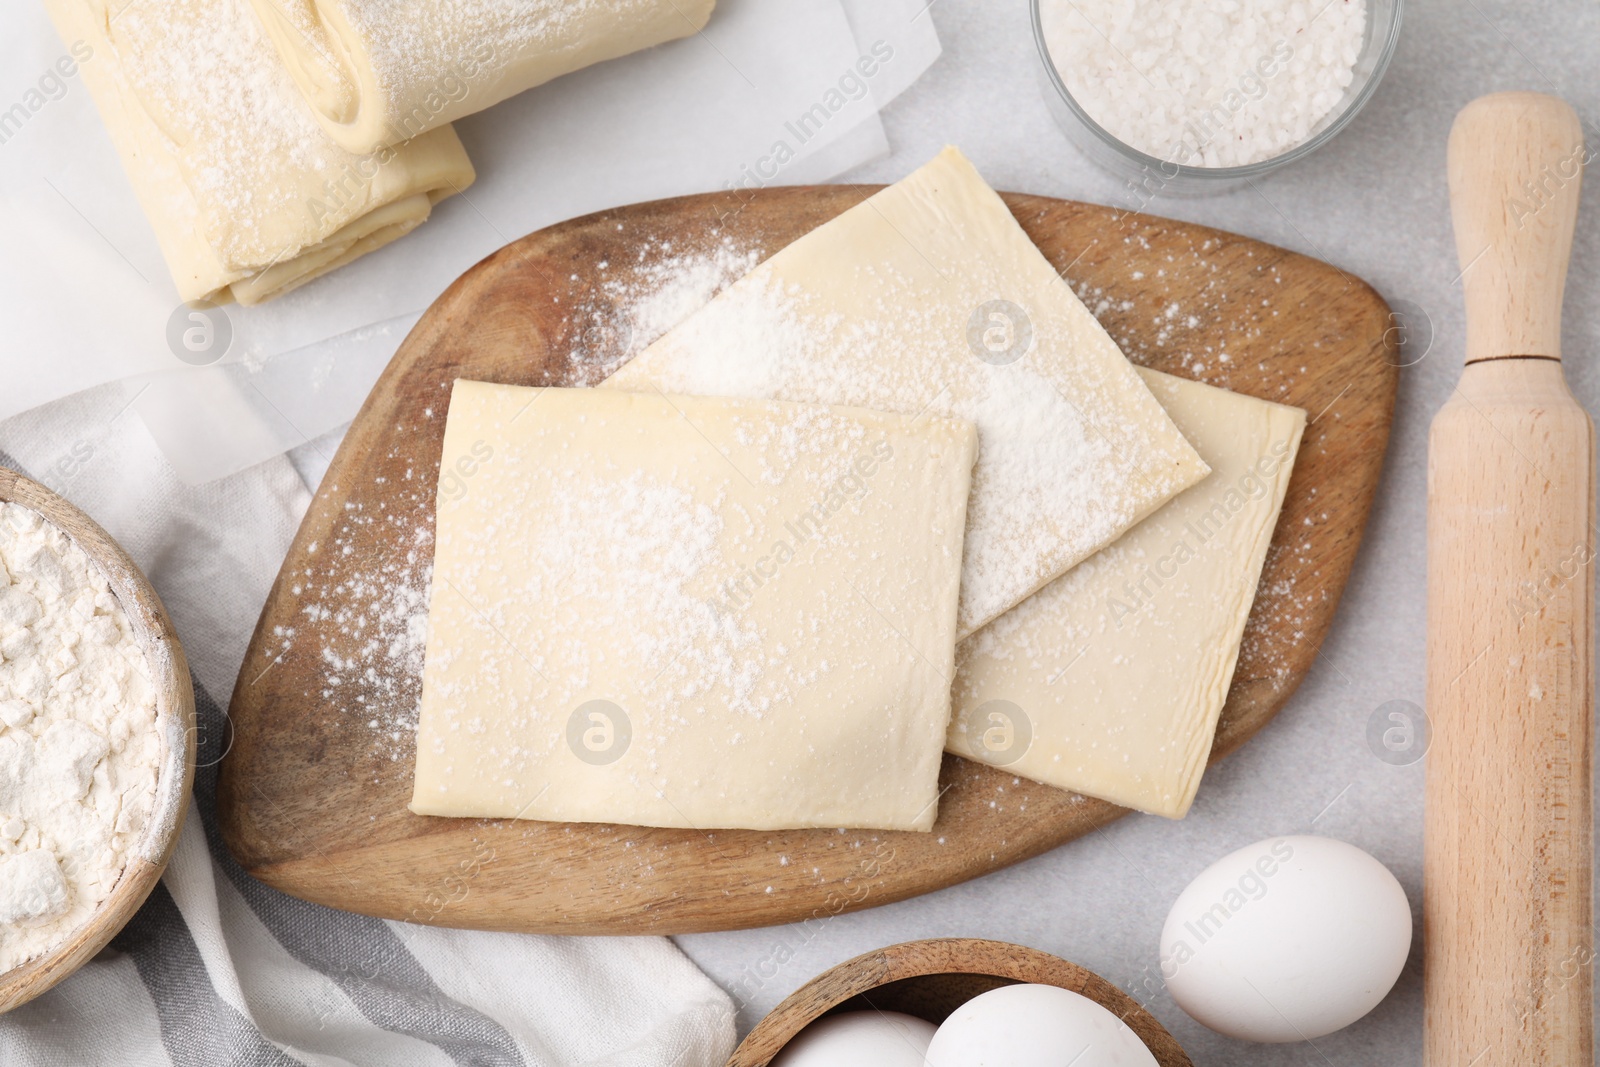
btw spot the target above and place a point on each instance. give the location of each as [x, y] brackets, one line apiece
[313, 792]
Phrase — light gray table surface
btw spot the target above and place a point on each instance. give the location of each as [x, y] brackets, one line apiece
[1374, 203]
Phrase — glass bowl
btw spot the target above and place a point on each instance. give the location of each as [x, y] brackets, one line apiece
[1149, 176]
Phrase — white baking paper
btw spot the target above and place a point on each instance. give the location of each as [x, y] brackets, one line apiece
[84, 286]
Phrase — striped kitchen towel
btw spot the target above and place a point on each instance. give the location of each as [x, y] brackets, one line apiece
[218, 969]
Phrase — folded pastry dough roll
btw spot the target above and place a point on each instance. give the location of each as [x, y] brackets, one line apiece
[378, 72]
[247, 195]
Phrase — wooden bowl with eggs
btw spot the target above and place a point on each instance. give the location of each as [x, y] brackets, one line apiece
[930, 980]
[175, 723]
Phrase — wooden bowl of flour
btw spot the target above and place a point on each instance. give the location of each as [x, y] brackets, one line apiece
[175, 724]
[930, 980]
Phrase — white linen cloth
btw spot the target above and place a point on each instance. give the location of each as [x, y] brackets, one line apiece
[217, 968]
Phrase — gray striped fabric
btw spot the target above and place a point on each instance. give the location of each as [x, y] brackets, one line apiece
[219, 969]
[197, 1026]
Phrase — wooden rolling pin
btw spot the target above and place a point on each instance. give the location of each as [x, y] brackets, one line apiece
[1509, 951]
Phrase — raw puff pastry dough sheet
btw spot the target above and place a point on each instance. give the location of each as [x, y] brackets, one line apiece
[1110, 680]
[690, 612]
[929, 297]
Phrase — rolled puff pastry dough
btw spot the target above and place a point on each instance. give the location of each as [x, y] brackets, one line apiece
[247, 195]
[690, 612]
[1110, 680]
[929, 297]
[378, 72]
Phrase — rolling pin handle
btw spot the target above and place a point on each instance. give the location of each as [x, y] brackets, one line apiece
[1516, 164]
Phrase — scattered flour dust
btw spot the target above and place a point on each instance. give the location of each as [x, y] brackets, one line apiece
[240, 132]
[79, 748]
[613, 554]
[1218, 336]
[609, 556]
[666, 286]
[427, 58]
[1050, 485]
[370, 629]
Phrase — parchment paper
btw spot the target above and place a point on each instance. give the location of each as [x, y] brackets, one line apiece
[88, 300]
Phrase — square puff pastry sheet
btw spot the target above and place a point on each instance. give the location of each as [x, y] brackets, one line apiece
[929, 297]
[1110, 680]
[690, 612]
[247, 195]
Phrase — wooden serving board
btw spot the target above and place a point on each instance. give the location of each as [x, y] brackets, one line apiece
[313, 793]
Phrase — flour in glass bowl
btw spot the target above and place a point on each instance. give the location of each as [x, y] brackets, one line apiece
[79, 748]
[1206, 83]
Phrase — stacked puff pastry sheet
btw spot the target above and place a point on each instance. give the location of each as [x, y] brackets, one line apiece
[270, 141]
[1110, 681]
[247, 195]
[378, 72]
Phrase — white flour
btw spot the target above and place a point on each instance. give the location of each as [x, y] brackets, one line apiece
[376, 678]
[1049, 486]
[267, 182]
[663, 287]
[1207, 83]
[79, 749]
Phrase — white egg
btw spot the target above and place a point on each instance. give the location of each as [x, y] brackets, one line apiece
[1035, 1026]
[859, 1039]
[1286, 940]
